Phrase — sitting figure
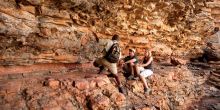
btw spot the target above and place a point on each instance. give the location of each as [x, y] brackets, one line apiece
[145, 70]
[129, 65]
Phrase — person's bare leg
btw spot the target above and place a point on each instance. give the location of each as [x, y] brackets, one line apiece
[113, 71]
[121, 89]
[117, 80]
[131, 71]
[144, 82]
[101, 69]
[131, 66]
[135, 70]
[126, 69]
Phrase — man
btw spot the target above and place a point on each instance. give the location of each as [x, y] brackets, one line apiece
[129, 64]
[111, 55]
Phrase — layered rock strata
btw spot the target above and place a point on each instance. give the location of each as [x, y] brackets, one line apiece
[52, 31]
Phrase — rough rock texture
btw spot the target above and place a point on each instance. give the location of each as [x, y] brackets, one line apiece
[215, 11]
[212, 100]
[174, 88]
[52, 31]
[60, 31]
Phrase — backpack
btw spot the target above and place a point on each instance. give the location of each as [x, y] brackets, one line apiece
[113, 53]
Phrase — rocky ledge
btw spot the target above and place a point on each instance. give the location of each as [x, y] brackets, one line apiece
[174, 87]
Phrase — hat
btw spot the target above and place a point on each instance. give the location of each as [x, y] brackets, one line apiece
[132, 49]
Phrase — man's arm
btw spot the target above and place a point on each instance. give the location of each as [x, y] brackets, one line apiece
[131, 61]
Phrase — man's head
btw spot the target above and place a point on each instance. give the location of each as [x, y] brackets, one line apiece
[132, 52]
[115, 37]
[216, 29]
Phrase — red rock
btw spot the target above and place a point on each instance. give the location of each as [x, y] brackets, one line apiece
[92, 84]
[81, 98]
[100, 83]
[66, 84]
[94, 92]
[84, 39]
[177, 61]
[99, 102]
[140, 40]
[70, 58]
[46, 32]
[74, 90]
[35, 2]
[81, 84]
[161, 49]
[102, 80]
[20, 104]
[119, 99]
[146, 108]
[109, 89]
[172, 84]
[136, 86]
[9, 97]
[52, 108]
[52, 83]
[5, 106]
[11, 87]
[30, 9]
[69, 106]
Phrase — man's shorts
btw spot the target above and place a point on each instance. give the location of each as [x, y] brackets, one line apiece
[145, 72]
[112, 67]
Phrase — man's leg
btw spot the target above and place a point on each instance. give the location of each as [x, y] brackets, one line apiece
[131, 68]
[100, 64]
[117, 79]
[133, 72]
[120, 87]
[101, 68]
[135, 68]
[113, 69]
[127, 70]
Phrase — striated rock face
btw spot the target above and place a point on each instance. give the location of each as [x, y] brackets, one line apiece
[215, 7]
[52, 31]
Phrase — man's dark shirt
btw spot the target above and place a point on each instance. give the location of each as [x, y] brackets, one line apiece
[129, 58]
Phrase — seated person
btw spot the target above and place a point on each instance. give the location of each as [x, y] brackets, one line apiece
[145, 70]
[129, 65]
